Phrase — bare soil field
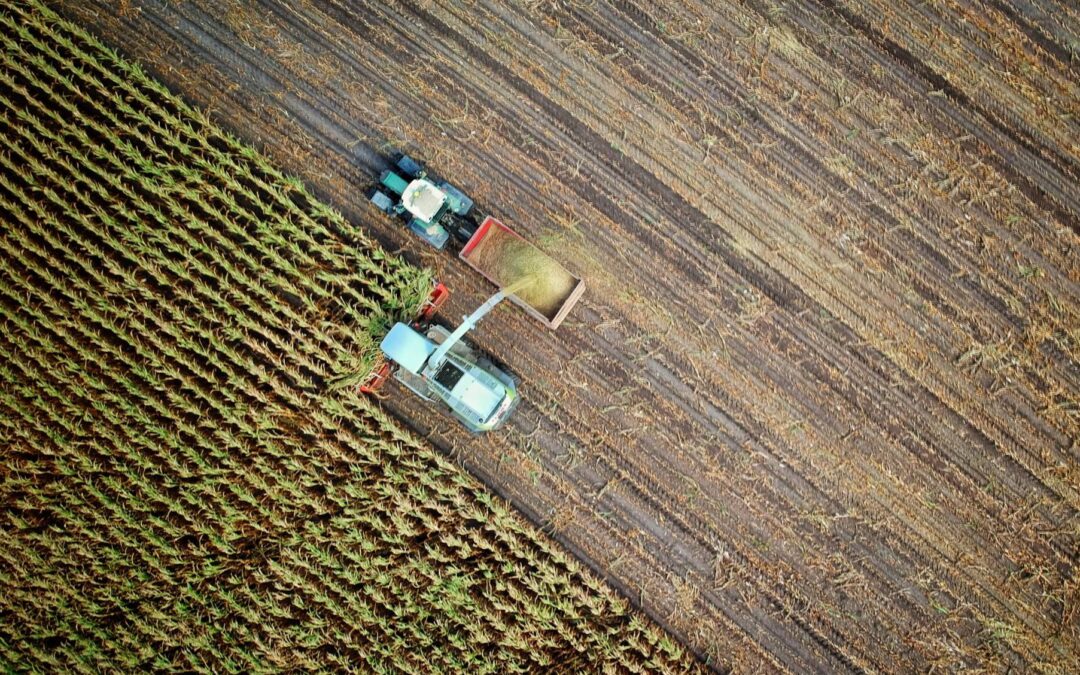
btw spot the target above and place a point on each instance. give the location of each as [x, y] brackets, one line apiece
[818, 408]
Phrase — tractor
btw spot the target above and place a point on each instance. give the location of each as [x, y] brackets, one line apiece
[433, 208]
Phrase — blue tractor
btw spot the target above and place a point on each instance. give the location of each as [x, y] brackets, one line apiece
[435, 209]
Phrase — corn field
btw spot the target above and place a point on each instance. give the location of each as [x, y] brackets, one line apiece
[189, 478]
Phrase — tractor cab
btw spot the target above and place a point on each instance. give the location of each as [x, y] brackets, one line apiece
[423, 200]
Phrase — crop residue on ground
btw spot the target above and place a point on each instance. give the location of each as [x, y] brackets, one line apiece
[180, 487]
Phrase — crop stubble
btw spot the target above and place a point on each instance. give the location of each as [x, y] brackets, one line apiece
[818, 409]
[190, 478]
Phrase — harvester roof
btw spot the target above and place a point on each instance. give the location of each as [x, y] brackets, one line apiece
[407, 348]
[478, 395]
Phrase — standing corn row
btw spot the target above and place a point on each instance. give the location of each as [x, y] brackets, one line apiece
[180, 487]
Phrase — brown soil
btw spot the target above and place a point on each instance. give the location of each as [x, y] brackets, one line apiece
[818, 409]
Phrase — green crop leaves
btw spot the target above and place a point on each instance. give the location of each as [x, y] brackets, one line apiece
[189, 478]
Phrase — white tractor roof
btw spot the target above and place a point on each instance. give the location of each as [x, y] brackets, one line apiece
[407, 348]
[422, 199]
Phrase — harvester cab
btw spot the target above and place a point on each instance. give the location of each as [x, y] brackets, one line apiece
[438, 365]
[434, 208]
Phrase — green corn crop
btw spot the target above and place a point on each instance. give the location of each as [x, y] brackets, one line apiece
[189, 478]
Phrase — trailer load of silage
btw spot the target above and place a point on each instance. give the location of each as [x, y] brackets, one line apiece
[536, 278]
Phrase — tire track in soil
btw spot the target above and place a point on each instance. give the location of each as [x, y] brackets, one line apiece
[1036, 33]
[330, 145]
[1059, 203]
[663, 357]
[443, 30]
[931, 252]
[928, 252]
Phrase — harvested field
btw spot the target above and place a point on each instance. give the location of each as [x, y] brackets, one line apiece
[189, 477]
[818, 409]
